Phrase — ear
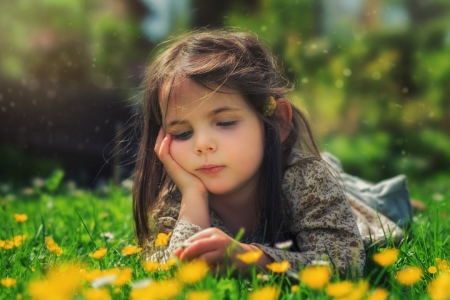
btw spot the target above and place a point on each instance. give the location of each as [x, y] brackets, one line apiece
[284, 117]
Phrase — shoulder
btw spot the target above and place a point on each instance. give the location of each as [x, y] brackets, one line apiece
[308, 177]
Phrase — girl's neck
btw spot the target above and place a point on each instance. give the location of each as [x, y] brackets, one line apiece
[236, 211]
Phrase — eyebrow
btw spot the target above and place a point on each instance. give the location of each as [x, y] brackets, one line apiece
[210, 114]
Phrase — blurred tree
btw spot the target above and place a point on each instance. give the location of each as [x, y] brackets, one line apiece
[373, 76]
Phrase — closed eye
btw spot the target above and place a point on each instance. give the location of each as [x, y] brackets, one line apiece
[226, 124]
[183, 136]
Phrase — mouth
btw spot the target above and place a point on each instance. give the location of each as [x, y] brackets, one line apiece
[210, 169]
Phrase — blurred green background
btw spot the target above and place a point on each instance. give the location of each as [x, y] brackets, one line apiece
[373, 75]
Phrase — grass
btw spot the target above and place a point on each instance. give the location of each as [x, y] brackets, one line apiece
[80, 222]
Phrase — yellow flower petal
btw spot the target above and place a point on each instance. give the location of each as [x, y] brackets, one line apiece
[199, 295]
[8, 282]
[123, 277]
[20, 217]
[339, 289]
[98, 254]
[378, 294]
[97, 294]
[294, 289]
[265, 293]
[130, 250]
[193, 272]
[250, 257]
[439, 288]
[432, 270]
[315, 277]
[409, 275]
[279, 267]
[150, 266]
[162, 239]
[386, 258]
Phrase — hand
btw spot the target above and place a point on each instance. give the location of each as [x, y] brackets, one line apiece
[186, 182]
[214, 246]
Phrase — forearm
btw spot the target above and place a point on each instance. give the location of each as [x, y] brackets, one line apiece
[194, 209]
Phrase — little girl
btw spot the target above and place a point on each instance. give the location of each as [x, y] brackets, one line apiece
[222, 149]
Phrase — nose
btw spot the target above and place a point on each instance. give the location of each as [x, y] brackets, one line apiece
[204, 144]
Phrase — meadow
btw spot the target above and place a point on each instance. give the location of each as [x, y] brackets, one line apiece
[61, 242]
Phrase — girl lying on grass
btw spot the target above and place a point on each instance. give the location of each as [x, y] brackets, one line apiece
[222, 149]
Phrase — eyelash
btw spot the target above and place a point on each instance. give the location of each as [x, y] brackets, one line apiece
[187, 134]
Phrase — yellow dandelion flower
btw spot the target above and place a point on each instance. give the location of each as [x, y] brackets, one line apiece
[98, 254]
[265, 293]
[19, 297]
[166, 289]
[439, 288]
[53, 287]
[150, 266]
[339, 289]
[130, 250]
[315, 277]
[409, 275]
[97, 294]
[250, 257]
[92, 275]
[193, 272]
[8, 244]
[199, 295]
[294, 289]
[18, 239]
[162, 239]
[2, 243]
[378, 294]
[20, 218]
[432, 270]
[443, 265]
[386, 258]
[279, 267]
[169, 264]
[123, 277]
[358, 292]
[8, 282]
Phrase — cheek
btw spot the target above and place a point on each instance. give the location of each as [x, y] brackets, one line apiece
[179, 152]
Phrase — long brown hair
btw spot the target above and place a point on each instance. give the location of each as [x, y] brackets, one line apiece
[240, 61]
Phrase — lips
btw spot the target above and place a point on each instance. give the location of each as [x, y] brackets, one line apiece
[210, 169]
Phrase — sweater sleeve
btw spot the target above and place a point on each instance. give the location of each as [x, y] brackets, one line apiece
[321, 221]
[164, 220]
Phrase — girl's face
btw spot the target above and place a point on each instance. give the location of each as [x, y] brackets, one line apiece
[216, 136]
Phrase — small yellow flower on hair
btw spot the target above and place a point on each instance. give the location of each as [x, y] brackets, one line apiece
[409, 275]
[8, 282]
[250, 257]
[98, 254]
[315, 277]
[162, 239]
[265, 293]
[386, 258]
[279, 267]
[269, 106]
[20, 217]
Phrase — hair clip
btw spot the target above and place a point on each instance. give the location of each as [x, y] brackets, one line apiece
[269, 107]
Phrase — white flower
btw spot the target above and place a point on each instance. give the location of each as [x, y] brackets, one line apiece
[108, 235]
[104, 280]
[141, 284]
[284, 245]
